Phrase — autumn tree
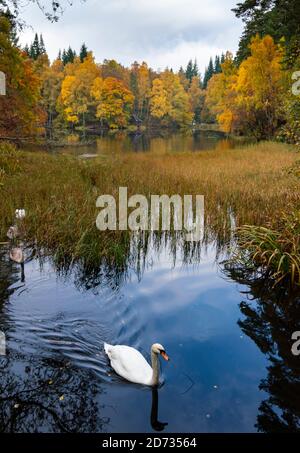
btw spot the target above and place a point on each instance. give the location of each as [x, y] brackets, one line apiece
[19, 109]
[260, 87]
[143, 89]
[76, 87]
[248, 99]
[133, 85]
[51, 78]
[158, 99]
[114, 101]
[111, 68]
[169, 100]
[180, 111]
[220, 97]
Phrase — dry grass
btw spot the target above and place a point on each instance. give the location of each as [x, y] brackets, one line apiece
[256, 176]
[251, 185]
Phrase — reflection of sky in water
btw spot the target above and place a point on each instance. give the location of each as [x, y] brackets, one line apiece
[211, 382]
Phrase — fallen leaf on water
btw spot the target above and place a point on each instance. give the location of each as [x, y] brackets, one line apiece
[61, 397]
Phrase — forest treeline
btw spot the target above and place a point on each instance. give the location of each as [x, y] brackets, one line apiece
[250, 94]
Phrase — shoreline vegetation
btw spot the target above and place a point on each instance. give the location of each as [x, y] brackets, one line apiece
[255, 93]
[61, 205]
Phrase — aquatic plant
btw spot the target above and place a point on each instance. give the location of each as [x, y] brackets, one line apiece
[244, 186]
[275, 251]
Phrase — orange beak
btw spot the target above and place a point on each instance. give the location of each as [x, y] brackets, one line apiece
[165, 355]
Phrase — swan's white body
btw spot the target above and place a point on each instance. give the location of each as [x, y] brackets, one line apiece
[129, 363]
[20, 213]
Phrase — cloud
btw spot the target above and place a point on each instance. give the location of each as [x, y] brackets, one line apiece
[162, 32]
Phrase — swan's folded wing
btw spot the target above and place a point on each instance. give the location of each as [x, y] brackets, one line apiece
[130, 364]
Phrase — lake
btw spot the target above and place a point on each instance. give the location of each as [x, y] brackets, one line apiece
[227, 332]
[156, 142]
[225, 373]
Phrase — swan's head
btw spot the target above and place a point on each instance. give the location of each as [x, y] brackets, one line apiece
[159, 349]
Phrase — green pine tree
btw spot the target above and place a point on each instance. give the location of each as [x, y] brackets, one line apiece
[278, 18]
[34, 52]
[42, 45]
[217, 67]
[195, 69]
[209, 72]
[71, 54]
[64, 57]
[83, 52]
[189, 71]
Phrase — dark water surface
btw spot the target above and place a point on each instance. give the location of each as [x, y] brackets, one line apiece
[231, 369]
[228, 335]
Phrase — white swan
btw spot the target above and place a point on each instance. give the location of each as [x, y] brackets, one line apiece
[132, 366]
[20, 213]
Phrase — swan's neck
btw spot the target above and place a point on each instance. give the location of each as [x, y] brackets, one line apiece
[155, 368]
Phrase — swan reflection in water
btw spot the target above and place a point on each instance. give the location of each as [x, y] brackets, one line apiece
[155, 423]
[16, 254]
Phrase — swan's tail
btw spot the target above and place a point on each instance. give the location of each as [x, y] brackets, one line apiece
[107, 348]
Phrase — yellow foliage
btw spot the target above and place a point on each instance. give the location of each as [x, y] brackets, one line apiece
[248, 99]
[169, 99]
[220, 97]
[113, 101]
[158, 102]
[76, 87]
[20, 114]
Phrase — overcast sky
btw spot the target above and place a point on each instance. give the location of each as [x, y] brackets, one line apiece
[160, 32]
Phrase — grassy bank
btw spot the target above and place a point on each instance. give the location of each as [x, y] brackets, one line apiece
[251, 185]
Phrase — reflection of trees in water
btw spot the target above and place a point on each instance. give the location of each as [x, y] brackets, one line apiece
[271, 316]
[8, 274]
[42, 394]
[143, 248]
[39, 395]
